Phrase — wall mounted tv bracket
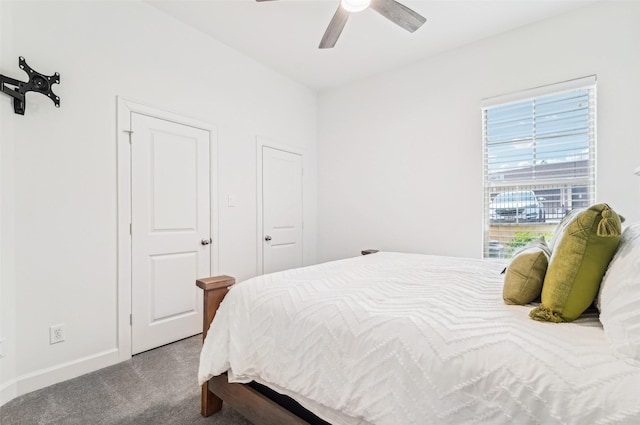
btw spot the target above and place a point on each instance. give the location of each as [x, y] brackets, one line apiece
[37, 82]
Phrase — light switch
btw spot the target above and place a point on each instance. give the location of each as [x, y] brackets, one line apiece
[231, 201]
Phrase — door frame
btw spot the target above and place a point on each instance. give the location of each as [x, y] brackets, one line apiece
[125, 108]
[262, 142]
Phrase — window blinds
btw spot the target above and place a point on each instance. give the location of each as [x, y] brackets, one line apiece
[539, 161]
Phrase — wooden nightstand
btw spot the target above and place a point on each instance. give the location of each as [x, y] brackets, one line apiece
[369, 251]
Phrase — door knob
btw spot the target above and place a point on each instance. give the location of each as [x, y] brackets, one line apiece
[206, 241]
[267, 238]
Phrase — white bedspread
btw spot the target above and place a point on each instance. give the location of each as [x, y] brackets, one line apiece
[405, 339]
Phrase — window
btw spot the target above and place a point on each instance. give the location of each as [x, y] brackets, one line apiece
[539, 162]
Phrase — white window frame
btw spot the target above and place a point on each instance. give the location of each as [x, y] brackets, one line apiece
[493, 247]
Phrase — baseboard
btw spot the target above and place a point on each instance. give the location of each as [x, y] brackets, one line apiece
[8, 391]
[52, 375]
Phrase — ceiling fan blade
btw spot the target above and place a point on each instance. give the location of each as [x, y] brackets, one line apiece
[399, 14]
[334, 29]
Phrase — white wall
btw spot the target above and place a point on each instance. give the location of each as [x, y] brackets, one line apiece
[59, 165]
[400, 154]
[7, 269]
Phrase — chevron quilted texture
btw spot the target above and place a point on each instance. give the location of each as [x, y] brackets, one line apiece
[412, 339]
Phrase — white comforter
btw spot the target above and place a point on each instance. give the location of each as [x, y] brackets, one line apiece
[405, 339]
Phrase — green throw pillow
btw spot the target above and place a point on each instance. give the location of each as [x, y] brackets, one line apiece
[525, 274]
[562, 227]
[578, 262]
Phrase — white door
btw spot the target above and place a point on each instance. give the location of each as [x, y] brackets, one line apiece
[170, 232]
[281, 210]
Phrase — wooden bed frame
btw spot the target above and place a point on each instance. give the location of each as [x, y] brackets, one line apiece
[244, 398]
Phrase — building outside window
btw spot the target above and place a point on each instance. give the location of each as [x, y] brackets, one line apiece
[539, 161]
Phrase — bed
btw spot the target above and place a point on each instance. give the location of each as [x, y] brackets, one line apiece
[394, 338]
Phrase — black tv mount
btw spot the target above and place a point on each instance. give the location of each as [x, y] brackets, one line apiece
[39, 83]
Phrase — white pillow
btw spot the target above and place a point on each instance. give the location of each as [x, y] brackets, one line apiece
[620, 296]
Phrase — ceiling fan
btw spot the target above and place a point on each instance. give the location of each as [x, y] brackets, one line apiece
[390, 9]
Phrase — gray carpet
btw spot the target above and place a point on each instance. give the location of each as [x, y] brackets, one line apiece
[156, 387]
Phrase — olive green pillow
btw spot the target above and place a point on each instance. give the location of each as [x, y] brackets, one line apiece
[525, 273]
[562, 227]
[578, 262]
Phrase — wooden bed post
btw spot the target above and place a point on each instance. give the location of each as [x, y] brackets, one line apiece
[215, 288]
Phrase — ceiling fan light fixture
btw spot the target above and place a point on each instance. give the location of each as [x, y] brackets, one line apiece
[355, 5]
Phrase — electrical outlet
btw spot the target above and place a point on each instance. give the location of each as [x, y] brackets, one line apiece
[56, 333]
